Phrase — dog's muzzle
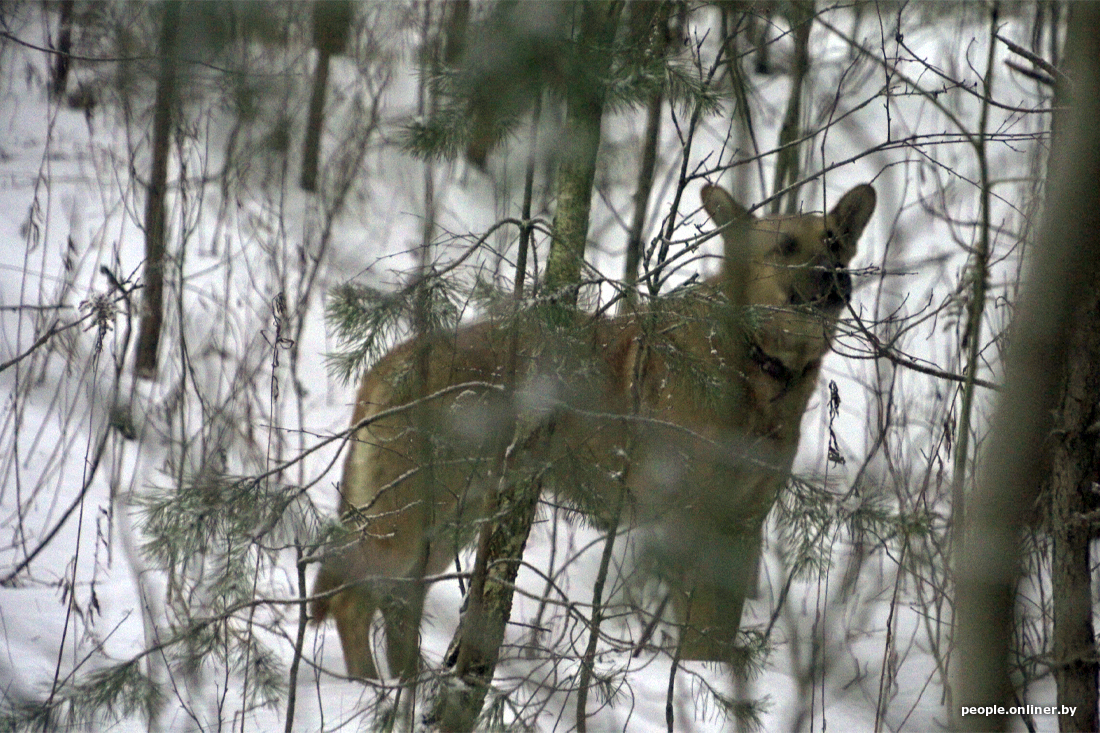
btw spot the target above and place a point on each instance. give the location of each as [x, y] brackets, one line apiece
[840, 291]
[833, 286]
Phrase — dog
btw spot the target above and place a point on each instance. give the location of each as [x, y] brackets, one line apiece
[691, 406]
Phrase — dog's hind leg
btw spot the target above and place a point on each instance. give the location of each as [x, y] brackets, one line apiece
[354, 611]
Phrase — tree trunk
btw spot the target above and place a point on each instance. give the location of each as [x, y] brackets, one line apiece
[1062, 276]
[634, 243]
[311, 148]
[786, 164]
[59, 74]
[152, 308]
[1075, 468]
[475, 650]
[649, 29]
[583, 115]
[331, 26]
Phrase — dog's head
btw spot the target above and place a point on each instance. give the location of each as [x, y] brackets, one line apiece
[790, 270]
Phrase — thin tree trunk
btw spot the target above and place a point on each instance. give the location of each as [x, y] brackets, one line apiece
[634, 241]
[59, 76]
[739, 32]
[454, 31]
[404, 615]
[1065, 269]
[786, 164]
[583, 116]
[331, 28]
[152, 308]
[475, 649]
[588, 660]
[649, 31]
[311, 148]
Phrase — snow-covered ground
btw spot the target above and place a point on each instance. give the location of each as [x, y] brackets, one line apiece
[853, 646]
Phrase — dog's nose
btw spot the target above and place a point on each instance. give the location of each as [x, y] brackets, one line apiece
[835, 288]
[843, 285]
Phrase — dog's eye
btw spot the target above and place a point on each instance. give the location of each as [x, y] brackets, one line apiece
[832, 241]
[788, 245]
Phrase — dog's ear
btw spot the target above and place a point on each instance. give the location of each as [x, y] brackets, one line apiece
[736, 225]
[853, 211]
[721, 206]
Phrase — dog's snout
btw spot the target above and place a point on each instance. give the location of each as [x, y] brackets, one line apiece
[834, 286]
[843, 285]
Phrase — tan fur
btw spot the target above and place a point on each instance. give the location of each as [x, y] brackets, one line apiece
[692, 406]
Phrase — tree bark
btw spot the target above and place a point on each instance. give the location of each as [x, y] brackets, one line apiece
[634, 243]
[475, 649]
[156, 230]
[1065, 269]
[786, 164]
[59, 74]
[331, 26]
[311, 148]
[1075, 468]
[583, 116]
[649, 30]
